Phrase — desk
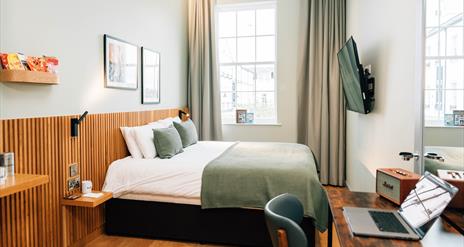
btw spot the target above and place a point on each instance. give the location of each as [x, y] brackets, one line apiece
[21, 182]
[441, 234]
[86, 202]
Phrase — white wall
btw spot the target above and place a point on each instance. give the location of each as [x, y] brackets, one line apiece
[287, 45]
[73, 31]
[444, 136]
[385, 32]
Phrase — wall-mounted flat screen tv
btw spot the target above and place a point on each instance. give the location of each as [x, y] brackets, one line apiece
[358, 86]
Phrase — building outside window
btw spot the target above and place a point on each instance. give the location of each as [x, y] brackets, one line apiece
[246, 41]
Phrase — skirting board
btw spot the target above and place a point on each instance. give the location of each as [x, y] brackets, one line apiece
[235, 226]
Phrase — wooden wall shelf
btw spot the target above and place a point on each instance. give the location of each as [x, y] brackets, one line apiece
[25, 76]
[88, 202]
[21, 182]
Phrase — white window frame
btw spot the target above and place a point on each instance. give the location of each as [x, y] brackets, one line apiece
[249, 5]
[443, 59]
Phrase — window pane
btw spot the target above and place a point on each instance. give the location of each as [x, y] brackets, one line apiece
[265, 77]
[435, 42]
[265, 21]
[265, 105]
[228, 107]
[246, 78]
[432, 12]
[433, 74]
[454, 100]
[246, 100]
[246, 23]
[227, 50]
[246, 50]
[433, 107]
[442, 48]
[431, 42]
[455, 74]
[227, 78]
[227, 101]
[227, 24]
[450, 11]
[454, 41]
[265, 47]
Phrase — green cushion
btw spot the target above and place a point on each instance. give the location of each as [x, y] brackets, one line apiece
[167, 142]
[188, 132]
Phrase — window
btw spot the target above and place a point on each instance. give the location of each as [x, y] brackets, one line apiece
[444, 60]
[246, 38]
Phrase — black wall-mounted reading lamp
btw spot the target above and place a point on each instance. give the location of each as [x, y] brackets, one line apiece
[182, 114]
[75, 124]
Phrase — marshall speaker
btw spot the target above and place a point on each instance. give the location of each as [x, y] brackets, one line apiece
[395, 183]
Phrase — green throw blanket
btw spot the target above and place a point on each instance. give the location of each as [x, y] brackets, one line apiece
[249, 174]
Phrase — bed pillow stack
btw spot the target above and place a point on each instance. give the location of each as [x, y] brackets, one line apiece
[188, 132]
[164, 138]
[139, 139]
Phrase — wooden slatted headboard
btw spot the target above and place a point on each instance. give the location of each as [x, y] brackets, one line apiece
[45, 146]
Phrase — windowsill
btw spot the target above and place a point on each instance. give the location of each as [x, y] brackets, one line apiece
[446, 127]
[253, 124]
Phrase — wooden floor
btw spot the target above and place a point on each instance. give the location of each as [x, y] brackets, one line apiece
[113, 241]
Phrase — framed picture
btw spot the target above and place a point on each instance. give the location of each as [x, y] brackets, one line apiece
[241, 116]
[250, 117]
[121, 63]
[458, 117]
[150, 76]
[449, 120]
[74, 183]
[73, 170]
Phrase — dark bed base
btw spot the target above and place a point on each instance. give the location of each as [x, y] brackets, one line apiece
[234, 226]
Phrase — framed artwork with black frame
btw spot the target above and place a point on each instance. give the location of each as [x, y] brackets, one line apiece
[120, 63]
[150, 76]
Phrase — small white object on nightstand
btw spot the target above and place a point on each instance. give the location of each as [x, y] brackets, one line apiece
[92, 195]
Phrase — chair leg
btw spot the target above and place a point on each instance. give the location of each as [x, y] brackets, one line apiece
[282, 235]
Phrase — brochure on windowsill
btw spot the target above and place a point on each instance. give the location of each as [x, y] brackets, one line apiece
[92, 195]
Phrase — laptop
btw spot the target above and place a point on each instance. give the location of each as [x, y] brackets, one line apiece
[417, 213]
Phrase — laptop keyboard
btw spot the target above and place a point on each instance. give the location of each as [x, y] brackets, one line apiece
[387, 222]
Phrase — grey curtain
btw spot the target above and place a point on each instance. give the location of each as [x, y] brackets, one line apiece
[203, 92]
[321, 106]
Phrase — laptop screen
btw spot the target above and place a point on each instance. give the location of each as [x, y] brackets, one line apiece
[426, 201]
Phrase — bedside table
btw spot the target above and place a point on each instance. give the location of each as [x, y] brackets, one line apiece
[86, 202]
[441, 234]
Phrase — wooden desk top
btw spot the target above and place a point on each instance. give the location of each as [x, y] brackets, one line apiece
[21, 182]
[441, 234]
[88, 202]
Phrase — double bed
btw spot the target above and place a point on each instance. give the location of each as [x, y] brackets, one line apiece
[453, 158]
[212, 192]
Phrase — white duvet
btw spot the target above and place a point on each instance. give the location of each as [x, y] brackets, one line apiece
[179, 176]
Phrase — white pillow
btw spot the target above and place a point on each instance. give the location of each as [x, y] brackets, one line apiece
[144, 139]
[128, 134]
[167, 122]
